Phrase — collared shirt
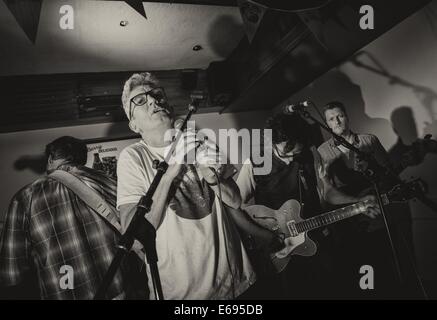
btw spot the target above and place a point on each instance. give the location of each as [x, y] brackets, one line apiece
[48, 228]
[344, 167]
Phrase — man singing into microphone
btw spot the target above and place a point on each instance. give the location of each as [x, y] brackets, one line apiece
[199, 250]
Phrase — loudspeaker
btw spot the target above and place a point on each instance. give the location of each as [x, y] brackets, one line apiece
[221, 83]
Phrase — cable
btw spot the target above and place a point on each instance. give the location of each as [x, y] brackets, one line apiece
[224, 233]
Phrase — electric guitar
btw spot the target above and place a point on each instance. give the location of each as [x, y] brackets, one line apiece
[287, 223]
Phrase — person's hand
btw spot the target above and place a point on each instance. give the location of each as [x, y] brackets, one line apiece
[184, 153]
[268, 240]
[372, 207]
[207, 157]
[276, 243]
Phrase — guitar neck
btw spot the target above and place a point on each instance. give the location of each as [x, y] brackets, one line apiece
[331, 217]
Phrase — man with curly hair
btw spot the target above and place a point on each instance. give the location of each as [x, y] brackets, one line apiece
[298, 173]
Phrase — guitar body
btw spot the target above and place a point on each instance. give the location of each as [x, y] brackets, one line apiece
[287, 223]
[279, 221]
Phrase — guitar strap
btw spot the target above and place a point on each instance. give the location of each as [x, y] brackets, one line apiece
[301, 181]
[89, 196]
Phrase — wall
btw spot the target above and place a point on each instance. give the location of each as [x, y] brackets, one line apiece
[399, 100]
[30, 144]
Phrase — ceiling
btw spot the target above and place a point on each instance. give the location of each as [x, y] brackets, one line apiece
[163, 41]
[74, 77]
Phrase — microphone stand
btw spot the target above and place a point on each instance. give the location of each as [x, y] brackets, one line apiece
[141, 229]
[372, 172]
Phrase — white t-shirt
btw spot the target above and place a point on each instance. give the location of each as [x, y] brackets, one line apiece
[200, 254]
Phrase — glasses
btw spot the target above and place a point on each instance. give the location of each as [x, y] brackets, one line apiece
[158, 94]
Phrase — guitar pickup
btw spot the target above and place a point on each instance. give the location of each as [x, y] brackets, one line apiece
[292, 228]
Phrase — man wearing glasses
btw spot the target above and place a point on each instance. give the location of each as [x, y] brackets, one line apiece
[200, 253]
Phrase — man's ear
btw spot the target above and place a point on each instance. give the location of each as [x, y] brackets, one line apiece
[50, 159]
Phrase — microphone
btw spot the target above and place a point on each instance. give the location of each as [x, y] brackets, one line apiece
[296, 107]
[223, 170]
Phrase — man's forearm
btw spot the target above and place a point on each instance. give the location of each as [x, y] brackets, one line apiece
[229, 192]
[156, 213]
[159, 203]
[247, 225]
[336, 197]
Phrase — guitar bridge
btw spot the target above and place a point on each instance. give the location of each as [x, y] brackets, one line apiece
[292, 228]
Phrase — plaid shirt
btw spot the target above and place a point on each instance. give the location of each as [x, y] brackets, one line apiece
[47, 226]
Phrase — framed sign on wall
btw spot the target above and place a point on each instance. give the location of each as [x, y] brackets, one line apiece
[103, 153]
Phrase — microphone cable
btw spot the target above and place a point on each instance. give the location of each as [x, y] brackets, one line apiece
[222, 208]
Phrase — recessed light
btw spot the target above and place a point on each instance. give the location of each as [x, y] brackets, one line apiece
[124, 23]
[197, 47]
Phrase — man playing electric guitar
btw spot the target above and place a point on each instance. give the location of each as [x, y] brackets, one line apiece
[359, 241]
[297, 173]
